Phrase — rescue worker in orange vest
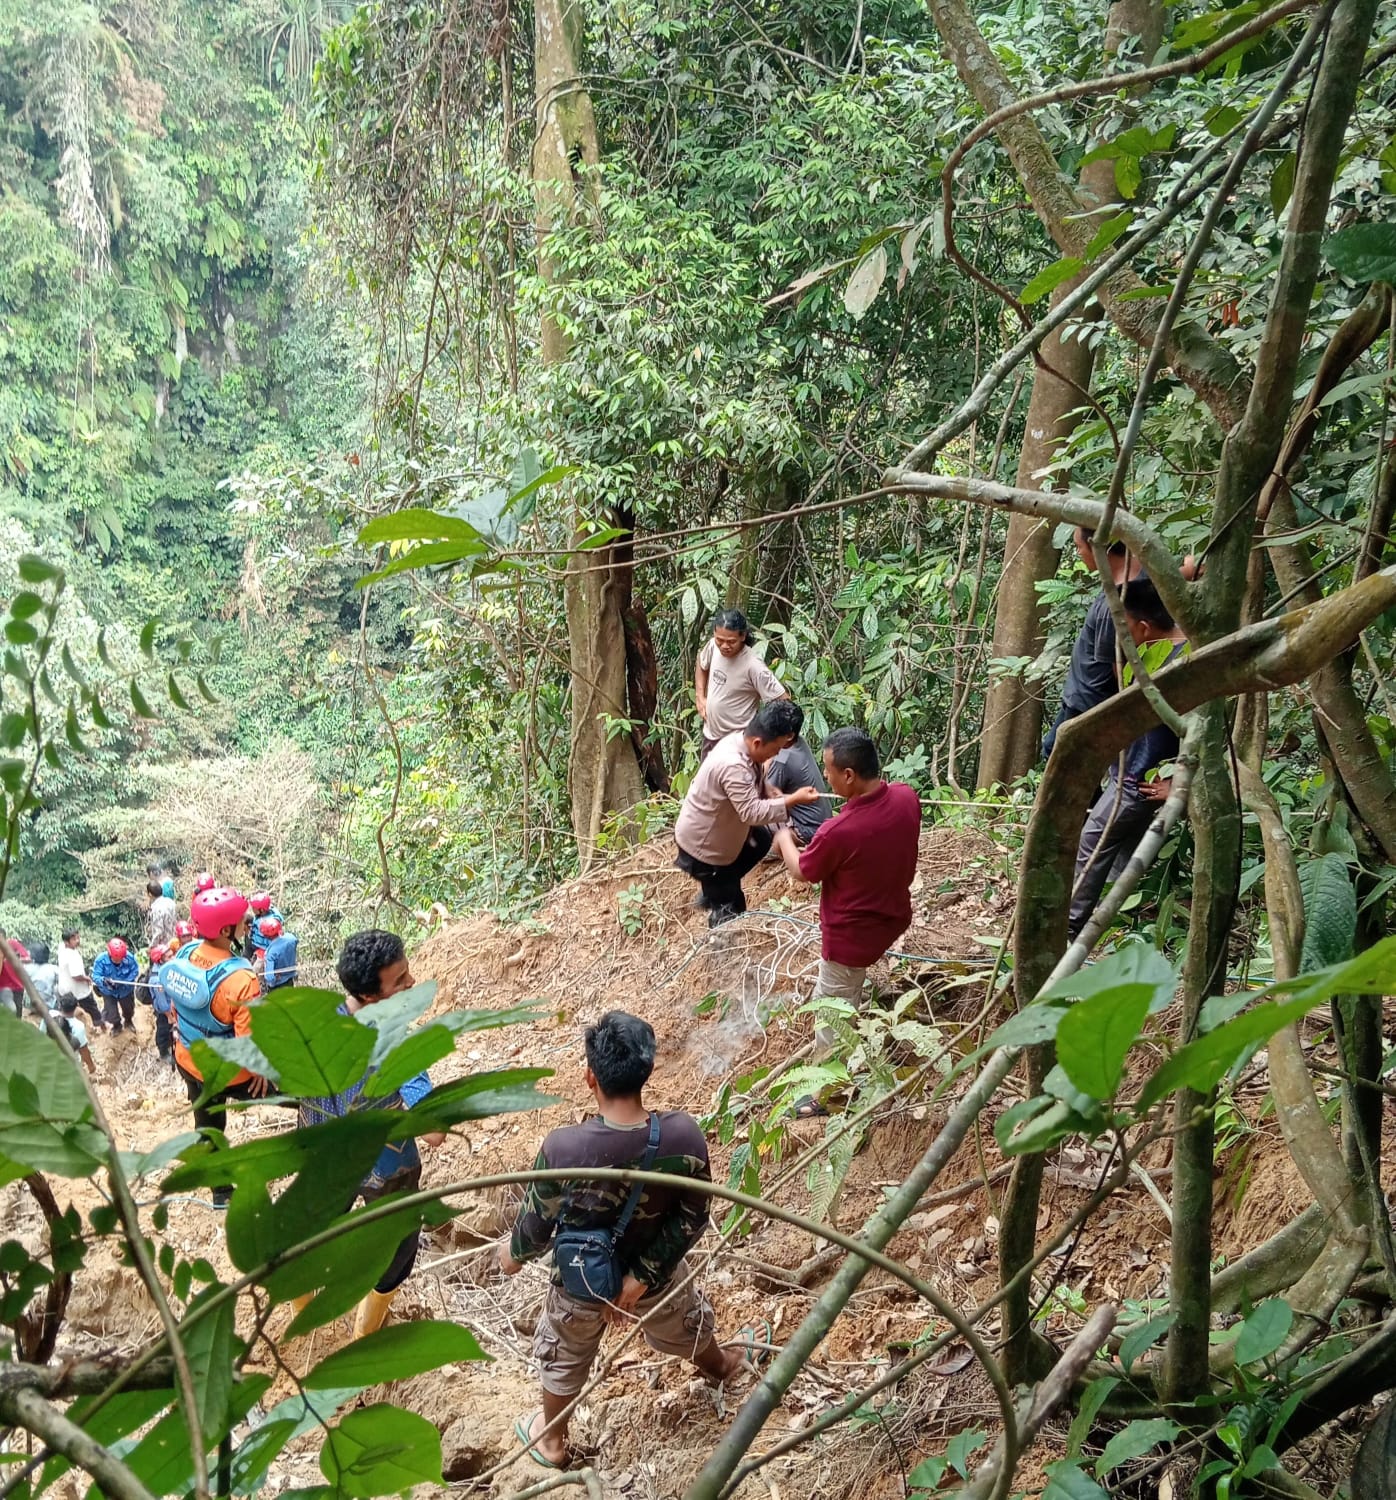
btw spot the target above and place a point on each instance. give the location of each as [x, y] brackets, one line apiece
[210, 988]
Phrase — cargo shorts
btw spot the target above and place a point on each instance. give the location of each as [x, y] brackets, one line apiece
[569, 1332]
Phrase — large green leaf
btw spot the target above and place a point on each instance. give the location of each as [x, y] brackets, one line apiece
[1363, 252]
[391, 1019]
[410, 1054]
[163, 1459]
[1330, 912]
[314, 1049]
[500, 1093]
[287, 1420]
[1096, 1034]
[395, 1353]
[264, 1159]
[417, 526]
[1135, 1440]
[428, 555]
[1266, 1327]
[209, 1346]
[381, 1450]
[1067, 1482]
[1135, 965]
[45, 1117]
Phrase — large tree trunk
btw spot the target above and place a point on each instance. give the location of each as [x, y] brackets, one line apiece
[603, 774]
[1013, 708]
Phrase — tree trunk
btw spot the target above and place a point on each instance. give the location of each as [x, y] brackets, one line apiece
[1013, 707]
[641, 670]
[603, 775]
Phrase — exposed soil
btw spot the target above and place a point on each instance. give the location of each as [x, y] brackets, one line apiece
[722, 1006]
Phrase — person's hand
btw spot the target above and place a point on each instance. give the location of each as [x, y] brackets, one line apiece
[701, 702]
[783, 837]
[258, 1086]
[802, 796]
[505, 1260]
[631, 1291]
[1156, 791]
[435, 1138]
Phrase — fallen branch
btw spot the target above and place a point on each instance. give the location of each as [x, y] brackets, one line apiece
[27, 1409]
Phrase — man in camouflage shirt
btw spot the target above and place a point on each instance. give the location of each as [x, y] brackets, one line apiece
[667, 1224]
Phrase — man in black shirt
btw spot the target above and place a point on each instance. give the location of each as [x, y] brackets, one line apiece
[1090, 677]
[793, 767]
[667, 1224]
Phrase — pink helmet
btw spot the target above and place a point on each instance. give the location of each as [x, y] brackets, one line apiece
[260, 902]
[269, 927]
[203, 881]
[159, 953]
[116, 951]
[185, 930]
[214, 910]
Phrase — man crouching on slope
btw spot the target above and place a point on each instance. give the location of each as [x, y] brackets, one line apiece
[663, 1224]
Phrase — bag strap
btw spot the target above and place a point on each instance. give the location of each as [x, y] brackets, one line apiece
[646, 1162]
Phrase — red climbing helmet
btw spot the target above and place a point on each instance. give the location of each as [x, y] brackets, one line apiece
[203, 881]
[214, 910]
[116, 951]
[185, 930]
[260, 902]
[269, 927]
[159, 953]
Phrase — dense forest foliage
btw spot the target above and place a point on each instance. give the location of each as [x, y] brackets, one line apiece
[391, 393]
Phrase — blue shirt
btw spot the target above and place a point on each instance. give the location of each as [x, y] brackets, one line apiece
[118, 981]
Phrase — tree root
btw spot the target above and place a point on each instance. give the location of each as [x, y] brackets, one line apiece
[1273, 1266]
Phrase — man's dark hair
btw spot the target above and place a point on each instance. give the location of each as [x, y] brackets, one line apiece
[773, 721]
[733, 619]
[1143, 603]
[853, 750]
[1115, 549]
[154, 871]
[153, 889]
[363, 958]
[68, 1004]
[620, 1052]
[69, 932]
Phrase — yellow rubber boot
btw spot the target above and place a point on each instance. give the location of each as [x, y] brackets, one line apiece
[372, 1312]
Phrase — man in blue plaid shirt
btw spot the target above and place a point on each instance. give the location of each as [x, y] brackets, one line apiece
[372, 966]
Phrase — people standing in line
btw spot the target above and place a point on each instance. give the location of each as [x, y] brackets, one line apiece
[73, 978]
[724, 825]
[261, 904]
[665, 1224]
[210, 989]
[161, 877]
[730, 680]
[373, 966]
[794, 767]
[160, 916]
[67, 1022]
[11, 986]
[115, 974]
[1127, 803]
[864, 860]
[43, 974]
[1091, 675]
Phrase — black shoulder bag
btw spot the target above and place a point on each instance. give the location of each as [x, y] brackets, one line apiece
[586, 1258]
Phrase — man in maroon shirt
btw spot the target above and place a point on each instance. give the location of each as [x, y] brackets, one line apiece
[864, 859]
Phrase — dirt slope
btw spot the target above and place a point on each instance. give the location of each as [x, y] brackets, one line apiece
[575, 960]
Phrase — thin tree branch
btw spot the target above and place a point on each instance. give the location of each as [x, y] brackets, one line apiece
[27, 1409]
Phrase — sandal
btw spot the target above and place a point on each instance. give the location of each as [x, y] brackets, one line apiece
[755, 1342]
[807, 1107]
[523, 1430]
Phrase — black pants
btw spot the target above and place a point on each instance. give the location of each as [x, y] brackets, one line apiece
[405, 1256]
[1110, 830]
[164, 1036]
[722, 884]
[117, 1013]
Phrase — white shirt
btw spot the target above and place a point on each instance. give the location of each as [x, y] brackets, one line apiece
[72, 972]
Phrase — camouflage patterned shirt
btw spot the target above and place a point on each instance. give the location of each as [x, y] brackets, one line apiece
[667, 1223]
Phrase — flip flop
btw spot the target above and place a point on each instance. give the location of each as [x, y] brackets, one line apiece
[755, 1342]
[523, 1430]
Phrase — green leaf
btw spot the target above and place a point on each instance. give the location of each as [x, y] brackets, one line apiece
[1096, 1394]
[1363, 252]
[1266, 1327]
[103, 654]
[961, 1448]
[1143, 1336]
[1128, 176]
[1330, 912]
[1135, 1440]
[177, 695]
[397, 1352]
[21, 633]
[25, 605]
[381, 1450]
[1067, 1482]
[205, 691]
[1134, 964]
[33, 569]
[1096, 1034]
[314, 1049]
[504, 1092]
[1050, 278]
[71, 667]
[1282, 183]
[285, 1422]
[148, 638]
[603, 537]
[209, 1345]
[428, 555]
[140, 704]
[866, 282]
[45, 1117]
[100, 717]
[1110, 230]
[419, 526]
